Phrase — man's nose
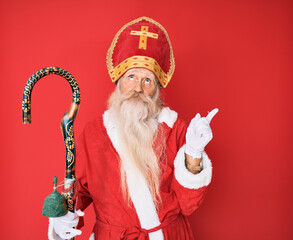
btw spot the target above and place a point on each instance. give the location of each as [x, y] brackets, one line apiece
[138, 86]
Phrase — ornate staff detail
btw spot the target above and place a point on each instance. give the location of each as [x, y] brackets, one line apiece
[66, 124]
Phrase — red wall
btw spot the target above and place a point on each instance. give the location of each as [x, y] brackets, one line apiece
[234, 55]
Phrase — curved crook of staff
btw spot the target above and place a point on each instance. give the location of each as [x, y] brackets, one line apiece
[66, 124]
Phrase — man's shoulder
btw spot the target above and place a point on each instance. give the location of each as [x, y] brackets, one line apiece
[168, 116]
[93, 127]
[92, 123]
[171, 118]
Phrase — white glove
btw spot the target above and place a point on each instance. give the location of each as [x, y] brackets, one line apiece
[199, 134]
[64, 226]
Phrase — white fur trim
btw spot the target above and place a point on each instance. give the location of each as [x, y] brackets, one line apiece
[168, 116]
[110, 127]
[92, 237]
[52, 235]
[188, 179]
[137, 186]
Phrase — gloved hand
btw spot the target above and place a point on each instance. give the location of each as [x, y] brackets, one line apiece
[199, 134]
[64, 226]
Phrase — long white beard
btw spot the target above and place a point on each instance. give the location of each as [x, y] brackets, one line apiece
[136, 118]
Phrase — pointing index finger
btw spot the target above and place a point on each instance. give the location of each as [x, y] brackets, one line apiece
[211, 114]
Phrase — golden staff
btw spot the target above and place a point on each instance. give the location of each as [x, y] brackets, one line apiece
[53, 208]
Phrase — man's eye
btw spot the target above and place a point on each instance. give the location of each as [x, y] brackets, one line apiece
[147, 81]
[131, 77]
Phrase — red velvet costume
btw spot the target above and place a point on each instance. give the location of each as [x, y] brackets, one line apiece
[141, 43]
[98, 174]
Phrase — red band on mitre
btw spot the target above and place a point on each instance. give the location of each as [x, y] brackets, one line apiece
[142, 43]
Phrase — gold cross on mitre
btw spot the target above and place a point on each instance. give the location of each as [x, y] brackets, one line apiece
[144, 34]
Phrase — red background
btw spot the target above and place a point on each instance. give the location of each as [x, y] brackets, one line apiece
[234, 55]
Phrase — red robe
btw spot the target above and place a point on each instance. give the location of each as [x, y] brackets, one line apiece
[98, 175]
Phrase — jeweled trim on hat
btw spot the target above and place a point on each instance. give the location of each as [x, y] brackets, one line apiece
[139, 62]
[109, 59]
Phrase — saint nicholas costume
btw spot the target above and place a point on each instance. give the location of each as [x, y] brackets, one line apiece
[142, 43]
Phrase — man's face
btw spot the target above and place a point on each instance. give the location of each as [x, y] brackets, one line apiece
[139, 80]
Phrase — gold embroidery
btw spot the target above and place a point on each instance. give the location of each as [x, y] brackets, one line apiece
[143, 36]
[109, 59]
[139, 62]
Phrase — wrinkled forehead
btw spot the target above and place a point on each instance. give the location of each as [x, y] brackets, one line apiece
[142, 72]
